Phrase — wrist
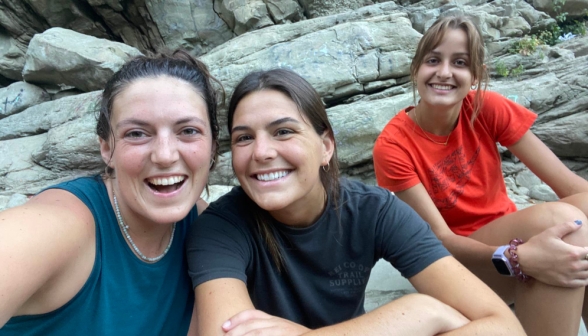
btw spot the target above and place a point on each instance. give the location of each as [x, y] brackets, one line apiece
[513, 250]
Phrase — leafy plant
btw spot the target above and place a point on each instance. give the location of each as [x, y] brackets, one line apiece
[526, 46]
[516, 72]
[501, 69]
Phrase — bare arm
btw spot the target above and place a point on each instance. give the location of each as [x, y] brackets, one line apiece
[215, 302]
[471, 253]
[541, 160]
[48, 239]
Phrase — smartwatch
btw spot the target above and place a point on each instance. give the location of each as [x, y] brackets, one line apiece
[501, 262]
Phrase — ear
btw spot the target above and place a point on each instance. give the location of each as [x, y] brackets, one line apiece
[328, 147]
[106, 152]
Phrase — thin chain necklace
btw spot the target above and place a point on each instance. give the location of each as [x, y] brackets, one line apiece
[125, 227]
[416, 119]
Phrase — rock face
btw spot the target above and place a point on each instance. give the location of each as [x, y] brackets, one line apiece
[64, 57]
[355, 53]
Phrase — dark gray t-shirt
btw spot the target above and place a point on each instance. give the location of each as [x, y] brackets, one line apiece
[327, 265]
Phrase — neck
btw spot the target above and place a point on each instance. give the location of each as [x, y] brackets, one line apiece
[436, 120]
[151, 238]
[305, 212]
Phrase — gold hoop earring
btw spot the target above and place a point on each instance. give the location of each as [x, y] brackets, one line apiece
[326, 170]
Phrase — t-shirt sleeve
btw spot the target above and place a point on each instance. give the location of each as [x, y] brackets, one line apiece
[506, 120]
[216, 248]
[394, 168]
[405, 239]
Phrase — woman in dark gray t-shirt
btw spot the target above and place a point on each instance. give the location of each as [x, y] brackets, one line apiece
[289, 252]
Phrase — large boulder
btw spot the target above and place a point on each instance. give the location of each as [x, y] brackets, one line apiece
[12, 57]
[339, 55]
[190, 24]
[64, 57]
[41, 118]
[573, 8]
[19, 96]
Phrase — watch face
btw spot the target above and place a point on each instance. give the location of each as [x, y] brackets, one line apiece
[501, 266]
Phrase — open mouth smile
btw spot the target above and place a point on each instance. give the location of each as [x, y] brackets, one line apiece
[272, 176]
[166, 185]
[442, 87]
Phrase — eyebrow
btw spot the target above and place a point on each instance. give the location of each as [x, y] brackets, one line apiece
[139, 122]
[454, 54]
[272, 124]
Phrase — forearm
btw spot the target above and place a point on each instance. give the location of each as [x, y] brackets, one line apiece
[414, 314]
[488, 326]
[471, 253]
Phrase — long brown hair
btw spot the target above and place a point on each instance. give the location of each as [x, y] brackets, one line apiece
[311, 107]
[433, 37]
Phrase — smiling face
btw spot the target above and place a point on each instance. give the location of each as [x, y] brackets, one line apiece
[277, 156]
[162, 149]
[444, 77]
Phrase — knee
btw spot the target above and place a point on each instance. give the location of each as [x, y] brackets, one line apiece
[560, 212]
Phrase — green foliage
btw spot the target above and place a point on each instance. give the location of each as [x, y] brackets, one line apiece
[503, 71]
[526, 46]
[516, 72]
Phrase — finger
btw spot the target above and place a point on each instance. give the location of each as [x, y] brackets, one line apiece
[242, 317]
[250, 327]
[563, 229]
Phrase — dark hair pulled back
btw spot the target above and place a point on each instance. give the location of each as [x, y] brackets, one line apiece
[313, 111]
[179, 64]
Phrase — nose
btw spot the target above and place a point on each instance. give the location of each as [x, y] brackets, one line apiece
[165, 152]
[444, 70]
[263, 149]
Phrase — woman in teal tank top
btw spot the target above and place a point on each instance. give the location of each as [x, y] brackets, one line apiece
[104, 255]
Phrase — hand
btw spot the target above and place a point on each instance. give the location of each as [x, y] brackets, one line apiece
[547, 258]
[255, 322]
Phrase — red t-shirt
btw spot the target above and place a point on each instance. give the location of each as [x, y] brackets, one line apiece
[464, 179]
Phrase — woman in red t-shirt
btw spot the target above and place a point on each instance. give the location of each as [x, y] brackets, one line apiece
[441, 158]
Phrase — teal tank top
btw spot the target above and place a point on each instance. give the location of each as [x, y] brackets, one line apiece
[123, 295]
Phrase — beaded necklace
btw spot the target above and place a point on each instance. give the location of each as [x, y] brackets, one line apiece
[125, 227]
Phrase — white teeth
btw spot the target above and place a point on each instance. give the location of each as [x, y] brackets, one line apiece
[166, 180]
[442, 87]
[272, 176]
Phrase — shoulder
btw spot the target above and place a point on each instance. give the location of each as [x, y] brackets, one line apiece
[396, 127]
[364, 197]
[230, 212]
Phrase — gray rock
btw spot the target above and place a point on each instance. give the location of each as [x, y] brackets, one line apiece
[356, 126]
[189, 24]
[132, 23]
[3, 202]
[215, 192]
[523, 191]
[244, 15]
[578, 45]
[338, 60]
[317, 8]
[20, 96]
[573, 8]
[567, 136]
[71, 146]
[20, 174]
[384, 285]
[12, 57]
[61, 56]
[41, 118]
[68, 14]
[16, 200]
[527, 179]
[543, 192]
[223, 171]
[284, 11]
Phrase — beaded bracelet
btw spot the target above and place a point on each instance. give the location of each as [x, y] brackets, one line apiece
[514, 260]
